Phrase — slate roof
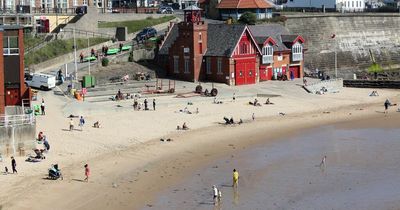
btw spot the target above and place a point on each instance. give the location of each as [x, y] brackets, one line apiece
[289, 38]
[222, 39]
[277, 32]
[169, 40]
[244, 4]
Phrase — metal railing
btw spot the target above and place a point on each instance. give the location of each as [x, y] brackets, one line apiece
[16, 120]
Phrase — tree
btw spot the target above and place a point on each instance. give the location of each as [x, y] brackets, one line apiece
[248, 18]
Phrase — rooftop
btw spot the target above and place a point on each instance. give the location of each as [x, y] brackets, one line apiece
[244, 4]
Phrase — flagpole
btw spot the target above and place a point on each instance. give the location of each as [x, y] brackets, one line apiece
[333, 36]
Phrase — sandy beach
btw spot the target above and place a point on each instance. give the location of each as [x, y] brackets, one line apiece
[129, 164]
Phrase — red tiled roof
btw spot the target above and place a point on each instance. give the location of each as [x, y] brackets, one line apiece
[243, 4]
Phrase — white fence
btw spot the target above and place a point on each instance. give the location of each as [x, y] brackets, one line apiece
[16, 120]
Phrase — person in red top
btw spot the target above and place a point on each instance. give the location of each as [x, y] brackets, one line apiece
[87, 173]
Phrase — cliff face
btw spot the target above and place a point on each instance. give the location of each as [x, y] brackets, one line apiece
[357, 37]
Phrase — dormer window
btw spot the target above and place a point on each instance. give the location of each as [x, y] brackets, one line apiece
[297, 52]
[267, 54]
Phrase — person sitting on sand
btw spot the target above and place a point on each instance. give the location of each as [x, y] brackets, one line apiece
[184, 126]
[255, 102]
[231, 121]
[240, 121]
[374, 93]
[96, 124]
[268, 102]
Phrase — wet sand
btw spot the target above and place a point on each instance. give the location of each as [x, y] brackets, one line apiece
[361, 172]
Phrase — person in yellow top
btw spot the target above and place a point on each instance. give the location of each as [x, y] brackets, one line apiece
[235, 178]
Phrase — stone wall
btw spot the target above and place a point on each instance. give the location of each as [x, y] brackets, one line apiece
[332, 86]
[14, 138]
[372, 84]
[356, 35]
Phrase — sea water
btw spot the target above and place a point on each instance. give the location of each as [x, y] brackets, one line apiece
[362, 171]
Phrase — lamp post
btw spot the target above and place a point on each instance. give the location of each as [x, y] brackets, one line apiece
[75, 62]
[336, 76]
[88, 44]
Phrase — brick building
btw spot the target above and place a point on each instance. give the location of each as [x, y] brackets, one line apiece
[193, 50]
[281, 52]
[12, 83]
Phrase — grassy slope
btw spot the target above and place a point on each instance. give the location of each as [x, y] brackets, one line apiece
[137, 25]
[57, 48]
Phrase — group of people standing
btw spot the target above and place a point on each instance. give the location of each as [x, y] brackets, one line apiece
[145, 106]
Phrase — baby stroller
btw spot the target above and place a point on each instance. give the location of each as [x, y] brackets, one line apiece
[55, 172]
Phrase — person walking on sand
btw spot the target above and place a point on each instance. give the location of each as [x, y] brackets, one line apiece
[253, 117]
[386, 104]
[42, 107]
[235, 177]
[87, 173]
[71, 124]
[215, 194]
[154, 104]
[14, 165]
[145, 104]
[81, 122]
[323, 162]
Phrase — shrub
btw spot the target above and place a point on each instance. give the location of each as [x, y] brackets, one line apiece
[375, 68]
[105, 61]
[248, 18]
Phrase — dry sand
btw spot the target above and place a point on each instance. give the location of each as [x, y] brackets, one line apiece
[130, 165]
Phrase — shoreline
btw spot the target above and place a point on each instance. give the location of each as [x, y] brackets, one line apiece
[170, 161]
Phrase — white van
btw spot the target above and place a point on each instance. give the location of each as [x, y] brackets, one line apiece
[41, 81]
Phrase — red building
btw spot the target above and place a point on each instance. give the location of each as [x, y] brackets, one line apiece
[195, 51]
[12, 83]
[281, 52]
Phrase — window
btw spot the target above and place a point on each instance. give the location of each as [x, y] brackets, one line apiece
[267, 54]
[208, 65]
[176, 64]
[84, 2]
[201, 48]
[243, 49]
[352, 3]
[10, 45]
[297, 52]
[75, 3]
[219, 66]
[187, 62]
[200, 38]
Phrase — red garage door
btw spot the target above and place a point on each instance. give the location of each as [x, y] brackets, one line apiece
[295, 70]
[245, 71]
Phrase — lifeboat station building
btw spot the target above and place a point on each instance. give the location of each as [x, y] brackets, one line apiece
[193, 50]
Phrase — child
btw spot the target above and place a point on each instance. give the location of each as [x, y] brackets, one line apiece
[87, 173]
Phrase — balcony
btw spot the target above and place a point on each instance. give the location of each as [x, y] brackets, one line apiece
[267, 59]
[297, 56]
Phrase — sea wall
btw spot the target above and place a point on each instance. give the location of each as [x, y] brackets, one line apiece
[357, 37]
[12, 139]
[372, 84]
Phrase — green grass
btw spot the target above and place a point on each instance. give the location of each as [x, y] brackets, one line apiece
[57, 48]
[30, 41]
[137, 25]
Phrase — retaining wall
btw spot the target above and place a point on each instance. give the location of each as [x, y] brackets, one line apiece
[11, 141]
[332, 85]
[355, 36]
[394, 84]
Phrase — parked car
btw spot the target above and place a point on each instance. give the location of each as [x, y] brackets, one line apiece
[146, 33]
[41, 81]
[165, 10]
